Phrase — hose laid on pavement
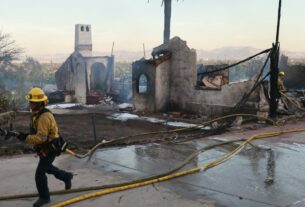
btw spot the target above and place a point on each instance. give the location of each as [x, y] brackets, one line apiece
[90, 152]
[99, 187]
[9, 197]
[178, 174]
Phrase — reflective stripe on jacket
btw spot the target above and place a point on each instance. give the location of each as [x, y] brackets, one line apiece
[46, 129]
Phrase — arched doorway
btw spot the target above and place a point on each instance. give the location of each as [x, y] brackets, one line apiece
[98, 76]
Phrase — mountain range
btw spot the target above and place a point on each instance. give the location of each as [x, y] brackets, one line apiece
[223, 53]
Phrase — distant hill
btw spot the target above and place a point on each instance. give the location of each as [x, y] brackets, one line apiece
[239, 53]
[121, 55]
[223, 53]
[227, 53]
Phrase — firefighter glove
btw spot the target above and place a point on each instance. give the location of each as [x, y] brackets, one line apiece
[22, 136]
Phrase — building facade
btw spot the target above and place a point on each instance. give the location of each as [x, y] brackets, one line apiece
[84, 76]
[169, 82]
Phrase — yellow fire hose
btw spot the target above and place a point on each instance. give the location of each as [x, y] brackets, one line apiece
[179, 174]
[99, 187]
[186, 172]
[164, 176]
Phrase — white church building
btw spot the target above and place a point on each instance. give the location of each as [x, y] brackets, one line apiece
[83, 76]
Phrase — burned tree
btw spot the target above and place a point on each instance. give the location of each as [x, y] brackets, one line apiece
[8, 49]
[8, 52]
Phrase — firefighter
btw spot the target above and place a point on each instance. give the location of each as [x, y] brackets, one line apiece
[280, 82]
[43, 133]
[281, 100]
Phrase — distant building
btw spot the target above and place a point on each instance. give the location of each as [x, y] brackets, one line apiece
[82, 76]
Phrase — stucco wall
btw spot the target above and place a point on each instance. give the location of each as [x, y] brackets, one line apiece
[184, 95]
[80, 82]
[144, 101]
[106, 78]
[64, 80]
[182, 75]
[83, 41]
[162, 85]
[221, 101]
[71, 76]
[74, 74]
[174, 84]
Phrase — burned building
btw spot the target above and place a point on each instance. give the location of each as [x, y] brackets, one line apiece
[294, 74]
[84, 77]
[169, 81]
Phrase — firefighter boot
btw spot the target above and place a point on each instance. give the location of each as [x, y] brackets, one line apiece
[68, 183]
[41, 202]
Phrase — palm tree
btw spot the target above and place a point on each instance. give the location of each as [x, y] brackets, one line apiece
[167, 20]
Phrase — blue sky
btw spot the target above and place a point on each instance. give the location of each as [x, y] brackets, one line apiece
[47, 26]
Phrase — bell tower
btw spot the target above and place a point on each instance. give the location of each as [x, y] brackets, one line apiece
[83, 42]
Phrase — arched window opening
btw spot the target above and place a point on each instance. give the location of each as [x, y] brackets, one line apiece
[82, 28]
[143, 84]
[87, 29]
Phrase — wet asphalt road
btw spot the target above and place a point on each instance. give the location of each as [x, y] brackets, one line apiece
[238, 182]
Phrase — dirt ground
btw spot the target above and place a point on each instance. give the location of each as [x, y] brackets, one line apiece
[78, 130]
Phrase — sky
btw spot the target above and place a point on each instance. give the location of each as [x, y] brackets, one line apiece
[47, 26]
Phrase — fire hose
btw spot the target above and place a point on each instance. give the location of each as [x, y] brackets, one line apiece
[177, 174]
[163, 176]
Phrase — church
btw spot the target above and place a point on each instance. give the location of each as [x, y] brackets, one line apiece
[83, 77]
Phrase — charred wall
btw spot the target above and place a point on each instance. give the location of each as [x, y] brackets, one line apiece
[173, 85]
[80, 76]
[143, 100]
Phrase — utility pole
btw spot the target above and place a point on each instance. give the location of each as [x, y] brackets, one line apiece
[167, 20]
[274, 70]
[112, 49]
[144, 50]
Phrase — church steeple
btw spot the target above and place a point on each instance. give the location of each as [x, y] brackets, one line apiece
[83, 42]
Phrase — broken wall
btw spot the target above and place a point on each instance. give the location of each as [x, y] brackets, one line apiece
[183, 73]
[144, 101]
[173, 85]
[212, 102]
[71, 77]
[100, 73]
[162, 85]
[76, 76]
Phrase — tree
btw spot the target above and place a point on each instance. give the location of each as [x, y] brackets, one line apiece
[167, 20]
[33, 70]
[8, 52]
[8, 49]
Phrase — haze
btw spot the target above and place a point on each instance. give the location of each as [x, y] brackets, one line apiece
[47, 27]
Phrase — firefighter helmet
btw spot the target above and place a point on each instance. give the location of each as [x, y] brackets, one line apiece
[282, 73]
[36, 95]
